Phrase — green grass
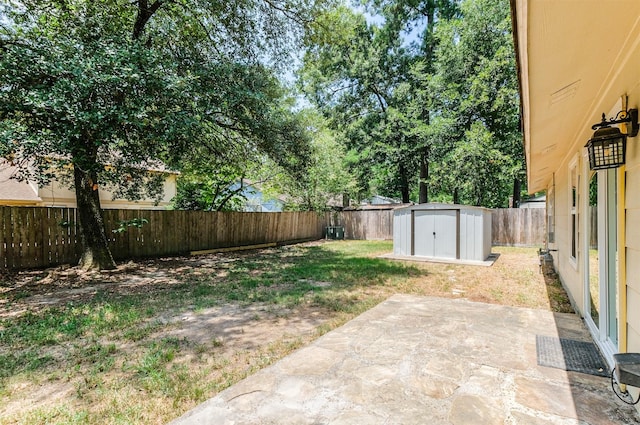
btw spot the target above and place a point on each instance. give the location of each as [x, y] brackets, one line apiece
[115, 353]
[320, 273]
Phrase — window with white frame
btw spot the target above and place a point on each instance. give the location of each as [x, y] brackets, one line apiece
[573, 208]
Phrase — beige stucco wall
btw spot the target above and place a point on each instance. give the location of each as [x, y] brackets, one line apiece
[59, 195]
[573, 274]
[570, 271]
[632, 230]
[566, 84]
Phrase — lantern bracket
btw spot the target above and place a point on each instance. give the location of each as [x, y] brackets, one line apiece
[630, 116]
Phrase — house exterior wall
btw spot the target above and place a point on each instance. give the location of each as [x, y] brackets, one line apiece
[14, 192]
[569, 270]
[255, 199]
[57, 194]
[632, 224]
[595, 73]
[574, 273]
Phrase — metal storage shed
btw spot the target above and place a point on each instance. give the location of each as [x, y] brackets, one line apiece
[442, 231]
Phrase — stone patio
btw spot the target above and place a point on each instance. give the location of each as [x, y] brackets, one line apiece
[422, 360]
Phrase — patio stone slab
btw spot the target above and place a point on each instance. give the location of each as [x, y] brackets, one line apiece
[417, 360]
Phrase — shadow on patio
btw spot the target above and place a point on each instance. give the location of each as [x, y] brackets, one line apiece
[412, 360]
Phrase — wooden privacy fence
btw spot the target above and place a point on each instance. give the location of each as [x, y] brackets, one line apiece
[41, 237]
[510, 226]
[518, 226]
[365, 224]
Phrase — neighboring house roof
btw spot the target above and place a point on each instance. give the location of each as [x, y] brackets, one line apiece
[535, 202]
[377, 207]
[15, 190]
[541, 198]
[380, 200]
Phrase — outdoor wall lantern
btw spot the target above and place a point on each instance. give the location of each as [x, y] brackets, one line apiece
[607, 147]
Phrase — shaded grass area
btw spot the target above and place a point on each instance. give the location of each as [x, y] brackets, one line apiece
[111, 357]
[113, 337]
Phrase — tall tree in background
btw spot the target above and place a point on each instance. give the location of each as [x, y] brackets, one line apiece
[352, 72]
[362, 76]
[477, 104]
[417, 19]
[84, 84]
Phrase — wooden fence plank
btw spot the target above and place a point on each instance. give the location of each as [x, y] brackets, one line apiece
[6, 235]
[43, 237]
[517, 227]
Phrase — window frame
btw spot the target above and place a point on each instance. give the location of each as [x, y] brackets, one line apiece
[573, 213]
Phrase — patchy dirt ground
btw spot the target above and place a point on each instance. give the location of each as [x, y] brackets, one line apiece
[58, 286]
[232, 325]
[188, 354]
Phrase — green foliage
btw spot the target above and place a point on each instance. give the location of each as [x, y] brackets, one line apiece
[123, 225]
[428, 105]
[477, 105]
[481, 172]
[114, 89]
[327, 177]
[206, 187]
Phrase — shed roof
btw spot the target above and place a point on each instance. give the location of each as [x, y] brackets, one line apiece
[440, 206]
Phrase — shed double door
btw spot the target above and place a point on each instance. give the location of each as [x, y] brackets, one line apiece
[435, 233]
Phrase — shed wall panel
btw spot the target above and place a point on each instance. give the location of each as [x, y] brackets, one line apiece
[402, 233]
[488, 236]
[443, 231]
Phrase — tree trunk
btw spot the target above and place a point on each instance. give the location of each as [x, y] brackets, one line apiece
[404, 185]
[346, 200]
[95, 251]
[456, 196]
[424, 176]
[516, 194]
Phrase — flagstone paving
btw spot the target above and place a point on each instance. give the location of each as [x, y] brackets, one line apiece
[424, 360]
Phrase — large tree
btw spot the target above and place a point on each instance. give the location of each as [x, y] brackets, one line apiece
[414, 23]
[367, 76]
[477, 105]
[425, 94]
[351, 72]
[104, 89]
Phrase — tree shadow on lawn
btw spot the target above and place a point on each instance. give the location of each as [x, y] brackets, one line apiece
[289, 279]
[325, 276]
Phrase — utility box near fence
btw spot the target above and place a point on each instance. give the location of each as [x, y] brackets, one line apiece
[335, 232]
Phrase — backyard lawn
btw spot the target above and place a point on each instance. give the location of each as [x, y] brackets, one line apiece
[145, 343]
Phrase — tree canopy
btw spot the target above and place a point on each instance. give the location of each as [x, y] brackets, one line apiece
[107, 88]
[418, 100]
[425, 95]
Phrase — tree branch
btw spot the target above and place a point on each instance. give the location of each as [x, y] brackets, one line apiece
[379, 97]
[288, 13]
[145, 12]
[231, 194]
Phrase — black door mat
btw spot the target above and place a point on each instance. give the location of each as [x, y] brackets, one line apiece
[569, 354]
